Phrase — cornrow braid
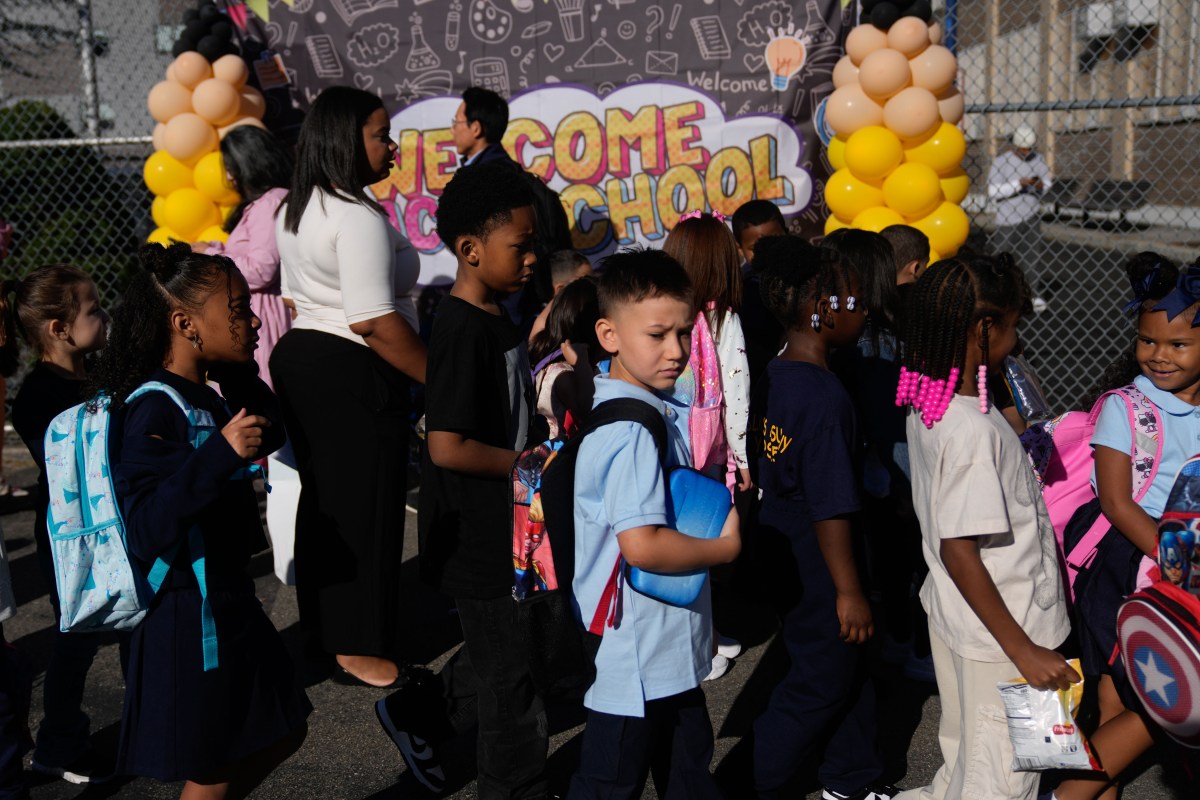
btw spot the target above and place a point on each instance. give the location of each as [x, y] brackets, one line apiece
[793, 273]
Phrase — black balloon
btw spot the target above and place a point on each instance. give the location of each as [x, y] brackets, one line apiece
[191, 15]
[182, 46]
[920, 8]
[222, 30]
[867, 5]
[211, 47]
[195, 30]
[209, 13]
[884, 15]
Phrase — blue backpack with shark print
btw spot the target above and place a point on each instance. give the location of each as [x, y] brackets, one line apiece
[98, 588]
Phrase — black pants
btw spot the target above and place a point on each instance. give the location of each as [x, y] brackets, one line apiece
[673, 741]
[345, 410]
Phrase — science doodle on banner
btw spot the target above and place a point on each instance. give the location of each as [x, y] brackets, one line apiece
[635, 111]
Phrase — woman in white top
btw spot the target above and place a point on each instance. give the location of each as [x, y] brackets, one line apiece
[341, 377]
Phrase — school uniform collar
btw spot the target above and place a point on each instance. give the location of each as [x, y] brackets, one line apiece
[1164, 400]
[612, 388]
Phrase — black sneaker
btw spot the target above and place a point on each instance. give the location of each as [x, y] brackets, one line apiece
[418, 754]
[84, 770]
[880, 792]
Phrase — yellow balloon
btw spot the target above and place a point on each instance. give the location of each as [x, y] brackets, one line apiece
[213, 233]
[947, 228]
[837, 152]
[912, 190]
[163, 236]
[189, 212]
[876, 219]
[156, 210]
[934, 257]
[955, 186]
[164, 174]
[847, 195]
[834, 223]
[225, 212]
[210, 180]
[872, 152]
[943, 151]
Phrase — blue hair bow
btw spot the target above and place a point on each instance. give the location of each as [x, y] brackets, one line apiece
[1185, 295]
[1141, 291]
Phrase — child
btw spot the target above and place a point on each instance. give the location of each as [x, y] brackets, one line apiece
[186, 318]
[562, 355]
[806, 438]
[1165, 307]
[911, 250]
[57, 308]
[565, 267]
[764, 336]
[479, 410]
[645, 709]
[994, 595]
[706, 249]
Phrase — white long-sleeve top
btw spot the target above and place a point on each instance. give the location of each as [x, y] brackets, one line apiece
[735, 381]
[1016, 203]
[345, 264]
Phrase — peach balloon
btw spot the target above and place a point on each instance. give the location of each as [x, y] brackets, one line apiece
[876, 219]
[943, 151]
[934, 68]
[217, 101]
[849, 109]
[935, 33]
[845, 73]
[909, 35]
[883, 73]
[188, 137]
[243, 121]
[167, 99]
[171, 72]
[951, 106]
[191, 68]
[253, 104]
[231, 69]
[955, 186]
[157, 137]
[864, 40]
[847, 196]
[912, 113]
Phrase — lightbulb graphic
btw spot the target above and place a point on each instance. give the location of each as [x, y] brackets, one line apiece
[785, 57]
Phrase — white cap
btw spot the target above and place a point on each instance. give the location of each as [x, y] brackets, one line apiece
[1024, 137]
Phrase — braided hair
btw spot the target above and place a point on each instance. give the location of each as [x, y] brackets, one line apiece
[794, 273]
[140, 339]
[947, 301]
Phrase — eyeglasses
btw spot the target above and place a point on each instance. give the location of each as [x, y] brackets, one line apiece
[456, 121]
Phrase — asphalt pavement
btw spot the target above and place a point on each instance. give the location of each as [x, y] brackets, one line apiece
[346, 754]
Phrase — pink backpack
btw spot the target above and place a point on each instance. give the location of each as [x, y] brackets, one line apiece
[1061, 453]
[706, 422]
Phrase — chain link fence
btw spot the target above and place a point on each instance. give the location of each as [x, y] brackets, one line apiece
[1110, 91]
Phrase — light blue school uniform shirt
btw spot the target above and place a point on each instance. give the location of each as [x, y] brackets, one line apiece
[654, 650]
[1180, 438]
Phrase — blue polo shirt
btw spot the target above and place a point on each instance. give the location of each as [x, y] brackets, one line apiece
[654, 650]
[1180, 437]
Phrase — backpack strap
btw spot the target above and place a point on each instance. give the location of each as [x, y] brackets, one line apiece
[545, 362]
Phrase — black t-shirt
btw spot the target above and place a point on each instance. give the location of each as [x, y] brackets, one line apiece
[764, 333]
[44, 395]
[477, 384]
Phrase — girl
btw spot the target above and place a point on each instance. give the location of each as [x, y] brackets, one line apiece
[1166, 355]
[186, 319]
[561, 355]
[259, 168]
[806, 438]
[983, 522]
[342, 374]
[705, 247]
[57, 310]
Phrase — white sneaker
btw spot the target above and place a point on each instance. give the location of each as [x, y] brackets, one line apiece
[728, 646]
[1039, 305]
[720, 665]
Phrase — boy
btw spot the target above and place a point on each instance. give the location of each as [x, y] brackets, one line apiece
[479, 400]
[566, 266]
[912, 252]
[645, 709]
[764, 336]
[752, 221]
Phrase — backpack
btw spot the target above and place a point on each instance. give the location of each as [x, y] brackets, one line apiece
[1061, 453]
[706, 422]
[99, 589]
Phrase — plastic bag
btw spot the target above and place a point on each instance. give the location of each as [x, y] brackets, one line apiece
[1042, 729]
[1026, 389]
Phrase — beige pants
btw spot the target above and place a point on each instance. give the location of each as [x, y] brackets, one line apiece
[973, 733]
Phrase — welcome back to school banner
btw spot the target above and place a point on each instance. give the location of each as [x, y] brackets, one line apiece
[635, 111]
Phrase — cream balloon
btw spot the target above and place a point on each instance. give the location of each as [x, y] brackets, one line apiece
[217, 101]
[845, 73]
[935, 33]
[864, 40]
[934, 68]
[253, 104]
[188, 137]
[159, 136]
[849, 109]
[912, 113]
[243, 121]
[951, 106]
[167, 99]
[909, 35]
[191, 68]
[884, 73]
[231, 69]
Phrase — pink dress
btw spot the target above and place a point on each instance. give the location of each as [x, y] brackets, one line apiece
[252, 247]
